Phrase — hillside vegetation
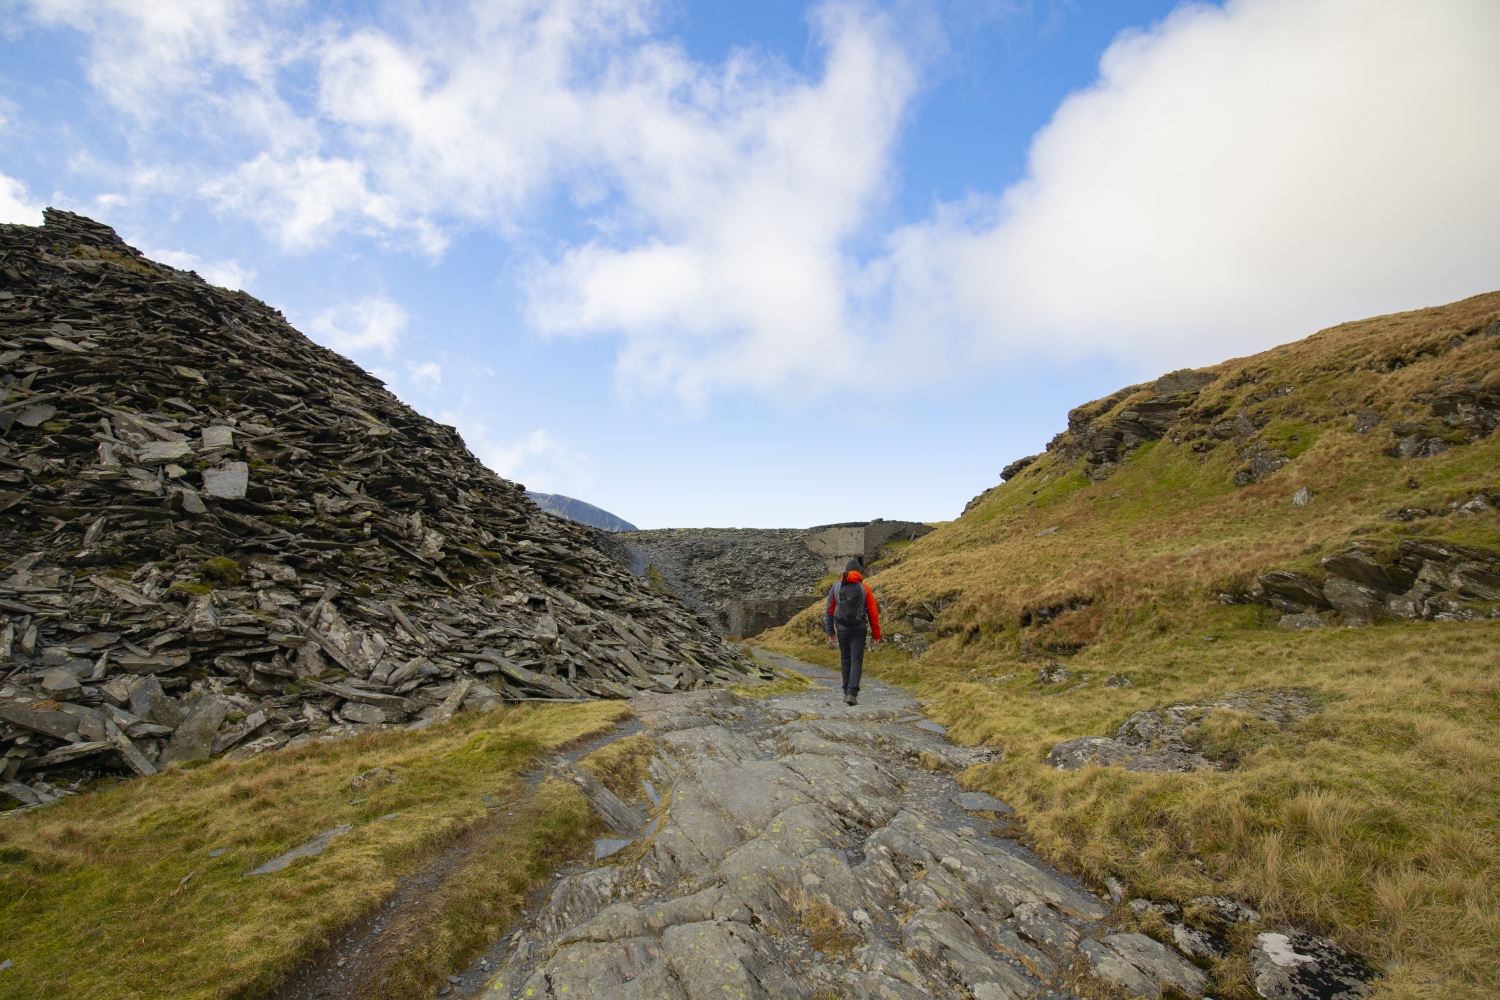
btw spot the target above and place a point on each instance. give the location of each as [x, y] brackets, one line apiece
[1209, 538]
[140, 890]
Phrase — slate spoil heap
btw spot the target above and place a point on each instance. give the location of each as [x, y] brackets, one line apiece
[218, 536]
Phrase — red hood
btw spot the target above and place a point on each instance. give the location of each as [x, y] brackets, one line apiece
[854, 576]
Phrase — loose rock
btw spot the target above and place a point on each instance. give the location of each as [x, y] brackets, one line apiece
[1157, 740]
[1295, 966]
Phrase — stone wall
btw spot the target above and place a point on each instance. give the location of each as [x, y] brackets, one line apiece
[836, 544]
[747, 618]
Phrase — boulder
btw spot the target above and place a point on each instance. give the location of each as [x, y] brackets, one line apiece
[1477, 580]
[1291, 592]
[1365, 420]
[1073, 755]
[1288, 965]
[148, 701]
[1361, 567]
[1053, 673]
[1359, 604]
[194, 738]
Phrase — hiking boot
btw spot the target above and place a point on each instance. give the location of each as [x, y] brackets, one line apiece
[849, 699]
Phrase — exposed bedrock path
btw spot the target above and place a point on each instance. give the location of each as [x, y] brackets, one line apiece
[802, 848]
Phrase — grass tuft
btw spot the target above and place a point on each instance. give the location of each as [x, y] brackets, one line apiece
[622, 765]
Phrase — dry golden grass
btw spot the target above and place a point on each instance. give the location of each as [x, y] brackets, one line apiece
[786, 682]
[622, 765]
[826, 931]
[1375, 820]
[114, 894]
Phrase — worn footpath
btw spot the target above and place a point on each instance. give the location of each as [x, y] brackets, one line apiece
[798, 847]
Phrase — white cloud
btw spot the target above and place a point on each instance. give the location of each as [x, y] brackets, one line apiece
[16, 204]
[218, 60]
[304, 200]
[538, 459]
[1237, 176]
[224, 273]
[372, 324]
[741, 276]
[428, 375]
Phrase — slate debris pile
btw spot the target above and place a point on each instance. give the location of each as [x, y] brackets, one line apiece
[218, 536]
[711, 567]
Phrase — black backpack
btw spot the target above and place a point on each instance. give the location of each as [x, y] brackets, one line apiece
[849, 605]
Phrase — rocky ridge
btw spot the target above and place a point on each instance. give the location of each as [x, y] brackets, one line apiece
[220, 537]
[577, 510]
[1178, 407]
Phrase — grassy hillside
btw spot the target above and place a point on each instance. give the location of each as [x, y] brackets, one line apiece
[140, 890]
[1140, 543]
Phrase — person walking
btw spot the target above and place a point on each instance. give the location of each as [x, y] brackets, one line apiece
[851, 609]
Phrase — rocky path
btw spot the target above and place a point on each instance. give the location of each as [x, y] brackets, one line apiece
[801, 848]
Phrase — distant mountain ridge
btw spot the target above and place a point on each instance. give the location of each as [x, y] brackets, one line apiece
[577, 510]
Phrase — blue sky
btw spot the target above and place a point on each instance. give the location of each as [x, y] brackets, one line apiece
[774, 264]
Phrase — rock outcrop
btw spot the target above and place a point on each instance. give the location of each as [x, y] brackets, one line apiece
[1102, 434]
[1365, 585]
[1160, 740]
[218, 536]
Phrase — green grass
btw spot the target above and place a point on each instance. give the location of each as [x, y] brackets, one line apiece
[93, 890]
[471, 910]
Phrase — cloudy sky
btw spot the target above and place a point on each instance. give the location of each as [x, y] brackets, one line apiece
[705, 262]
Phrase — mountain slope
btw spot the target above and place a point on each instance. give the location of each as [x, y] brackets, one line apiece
[577, 510]
[1198, 541]
[219, 533]
[1162, 500]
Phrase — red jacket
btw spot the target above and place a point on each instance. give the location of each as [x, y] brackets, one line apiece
[853, 576]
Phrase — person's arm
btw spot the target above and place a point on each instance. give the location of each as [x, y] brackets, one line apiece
[828, 613]
[874, 612]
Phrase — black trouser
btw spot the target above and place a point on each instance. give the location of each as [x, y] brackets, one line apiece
[851, 656]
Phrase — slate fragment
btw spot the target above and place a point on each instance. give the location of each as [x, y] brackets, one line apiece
[229, 481]
[194, 738]
[311, 849]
